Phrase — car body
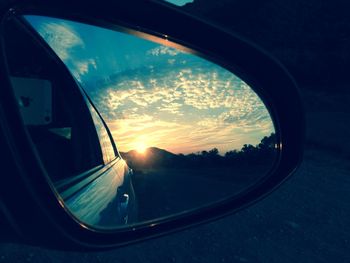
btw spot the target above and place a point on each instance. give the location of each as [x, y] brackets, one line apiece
[58, 129]
[54, 138]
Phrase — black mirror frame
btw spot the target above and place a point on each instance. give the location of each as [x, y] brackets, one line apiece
[28, 201]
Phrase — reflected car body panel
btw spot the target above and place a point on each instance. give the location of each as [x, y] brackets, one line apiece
[99, 202]
[76, 150]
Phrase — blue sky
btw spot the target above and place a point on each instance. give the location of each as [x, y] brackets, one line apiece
[154, 95]
[179, 2]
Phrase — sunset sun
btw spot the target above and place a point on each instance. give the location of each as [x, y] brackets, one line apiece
[141, 147]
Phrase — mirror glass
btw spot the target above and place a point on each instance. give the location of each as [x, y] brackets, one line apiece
[130, 130]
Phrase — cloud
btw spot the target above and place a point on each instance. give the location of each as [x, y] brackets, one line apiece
[136, 128]
[83, 66]
[184, 109]
[163, 50]
[61, 38]
[172, 107]
[179, 137]
[171, 61]
[174, 101]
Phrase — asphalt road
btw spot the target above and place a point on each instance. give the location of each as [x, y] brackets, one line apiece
[306, 220]
[162, 192]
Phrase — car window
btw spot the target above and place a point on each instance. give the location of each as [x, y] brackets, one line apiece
[67, 134]
[107, 147]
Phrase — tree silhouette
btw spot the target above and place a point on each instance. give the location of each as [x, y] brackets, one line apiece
[261, 154]
[213, 152]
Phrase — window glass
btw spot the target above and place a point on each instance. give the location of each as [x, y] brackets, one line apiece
[105, 141]
[52, 107]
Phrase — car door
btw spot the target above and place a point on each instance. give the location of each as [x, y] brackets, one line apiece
[68, 135]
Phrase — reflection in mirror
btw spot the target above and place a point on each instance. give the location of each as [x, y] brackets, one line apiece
[187, 132]
[179, 2]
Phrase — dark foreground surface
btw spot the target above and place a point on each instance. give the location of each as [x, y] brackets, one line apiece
[162, 192]
[306, 220]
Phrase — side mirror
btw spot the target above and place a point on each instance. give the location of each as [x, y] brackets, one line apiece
[149, 127]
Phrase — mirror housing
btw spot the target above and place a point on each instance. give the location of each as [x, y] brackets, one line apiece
[42, 219]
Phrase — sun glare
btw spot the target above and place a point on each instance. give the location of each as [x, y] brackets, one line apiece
[141, 148]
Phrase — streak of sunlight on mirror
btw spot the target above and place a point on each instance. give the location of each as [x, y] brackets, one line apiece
[188, 132]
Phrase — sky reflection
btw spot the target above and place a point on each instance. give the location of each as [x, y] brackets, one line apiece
[155, 95]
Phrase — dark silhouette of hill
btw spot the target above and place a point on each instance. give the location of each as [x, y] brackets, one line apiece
[261, 154]
[152, 158]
